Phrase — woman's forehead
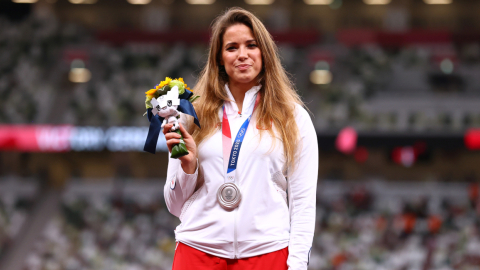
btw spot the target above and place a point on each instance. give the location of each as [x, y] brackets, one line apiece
[238, 33]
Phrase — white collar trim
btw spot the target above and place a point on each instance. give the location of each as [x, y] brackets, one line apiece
[248, 101]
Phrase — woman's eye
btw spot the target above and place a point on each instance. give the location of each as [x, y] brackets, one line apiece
[252, 45]
[230, 48]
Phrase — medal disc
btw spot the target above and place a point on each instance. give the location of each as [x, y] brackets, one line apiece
[229, 196]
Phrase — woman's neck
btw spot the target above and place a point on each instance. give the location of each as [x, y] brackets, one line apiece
[238, 92]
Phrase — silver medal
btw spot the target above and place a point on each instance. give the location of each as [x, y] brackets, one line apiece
[229, 196]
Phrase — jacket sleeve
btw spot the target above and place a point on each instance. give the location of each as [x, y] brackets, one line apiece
[302, 187]
[179, 185]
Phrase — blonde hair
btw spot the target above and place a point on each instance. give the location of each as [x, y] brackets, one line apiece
[278, 97]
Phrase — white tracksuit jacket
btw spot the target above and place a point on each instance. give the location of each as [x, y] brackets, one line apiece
[264, 221]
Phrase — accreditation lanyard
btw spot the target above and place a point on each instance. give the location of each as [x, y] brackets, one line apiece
[230, 164]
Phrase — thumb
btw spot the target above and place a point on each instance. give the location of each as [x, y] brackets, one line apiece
[184, 132]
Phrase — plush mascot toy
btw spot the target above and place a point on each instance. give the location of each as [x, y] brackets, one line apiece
[163, 104]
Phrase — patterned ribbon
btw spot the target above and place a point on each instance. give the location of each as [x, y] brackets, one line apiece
[232, 152]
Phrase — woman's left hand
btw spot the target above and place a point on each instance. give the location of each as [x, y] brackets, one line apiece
[189, 162]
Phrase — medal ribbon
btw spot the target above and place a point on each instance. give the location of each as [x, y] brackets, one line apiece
[230, 164]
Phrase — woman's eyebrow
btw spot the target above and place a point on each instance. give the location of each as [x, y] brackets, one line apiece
[230, 44]
[235, 43]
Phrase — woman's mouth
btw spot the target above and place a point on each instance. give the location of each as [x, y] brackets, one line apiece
[243, 67]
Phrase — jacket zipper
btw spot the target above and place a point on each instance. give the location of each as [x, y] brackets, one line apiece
[235, 244]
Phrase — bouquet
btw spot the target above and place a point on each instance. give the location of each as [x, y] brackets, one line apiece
[163, 103]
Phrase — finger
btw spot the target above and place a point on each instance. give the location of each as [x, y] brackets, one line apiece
[172, 135]
[166, 128]
[184, 132]
[171, 143]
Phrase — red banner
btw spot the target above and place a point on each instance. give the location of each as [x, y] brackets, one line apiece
[35, 138]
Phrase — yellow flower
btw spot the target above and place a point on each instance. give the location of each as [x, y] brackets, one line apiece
[181, 80]
[151, 92]
[163, 83]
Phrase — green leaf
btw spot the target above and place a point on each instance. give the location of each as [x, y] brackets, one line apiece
[162, 91]
[193, 98]
[181, 86]
[148, 103]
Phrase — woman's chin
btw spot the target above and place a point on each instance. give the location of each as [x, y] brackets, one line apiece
[244, 80]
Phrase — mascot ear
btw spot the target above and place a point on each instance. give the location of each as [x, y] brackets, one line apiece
[173, 92]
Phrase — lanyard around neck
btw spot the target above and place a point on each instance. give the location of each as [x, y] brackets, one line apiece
[232, 152]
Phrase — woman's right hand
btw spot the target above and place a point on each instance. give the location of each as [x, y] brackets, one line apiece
[189, 162]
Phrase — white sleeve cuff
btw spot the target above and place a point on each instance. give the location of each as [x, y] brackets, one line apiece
[187, 181]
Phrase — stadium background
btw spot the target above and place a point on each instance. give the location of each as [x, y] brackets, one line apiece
[394, 91]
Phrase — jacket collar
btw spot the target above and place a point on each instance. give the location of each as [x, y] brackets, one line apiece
[248, 102]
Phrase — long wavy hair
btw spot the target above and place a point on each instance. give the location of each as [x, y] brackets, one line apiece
[278, 96]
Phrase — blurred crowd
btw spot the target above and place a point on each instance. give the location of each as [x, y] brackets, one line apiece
[13, 213]
[38, 54]
[15, 205]
[418, 87]
[421, 87]
[354, 231]
[107, 233]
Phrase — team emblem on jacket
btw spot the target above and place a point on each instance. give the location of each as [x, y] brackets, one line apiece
[173, 183]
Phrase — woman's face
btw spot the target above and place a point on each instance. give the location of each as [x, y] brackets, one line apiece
[241, 55]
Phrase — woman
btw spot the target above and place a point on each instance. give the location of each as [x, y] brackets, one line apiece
[250, 205]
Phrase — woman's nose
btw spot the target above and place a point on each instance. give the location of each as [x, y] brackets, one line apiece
[242, 53]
